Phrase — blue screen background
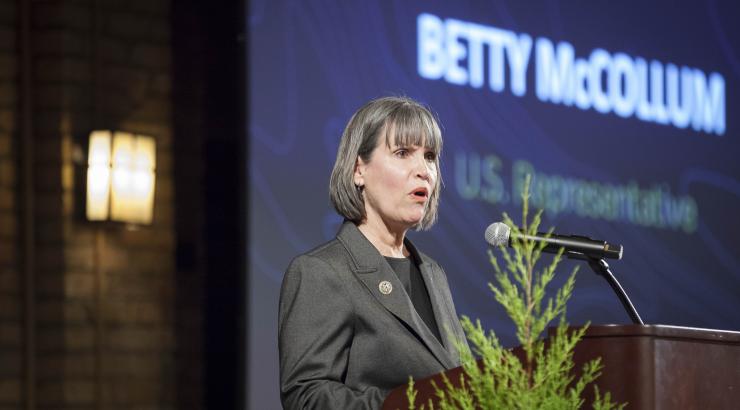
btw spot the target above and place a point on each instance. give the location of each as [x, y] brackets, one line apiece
[311, 64]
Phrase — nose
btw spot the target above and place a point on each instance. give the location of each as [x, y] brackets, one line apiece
[422, 168]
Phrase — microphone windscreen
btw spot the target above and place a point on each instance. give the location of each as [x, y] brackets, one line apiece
[497, 234]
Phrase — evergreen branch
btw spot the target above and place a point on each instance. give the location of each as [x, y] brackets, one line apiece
[544, 379]
[411, 394]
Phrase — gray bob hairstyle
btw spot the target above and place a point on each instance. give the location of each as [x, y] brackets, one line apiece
[401, 118]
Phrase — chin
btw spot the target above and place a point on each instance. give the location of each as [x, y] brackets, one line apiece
[413, 222]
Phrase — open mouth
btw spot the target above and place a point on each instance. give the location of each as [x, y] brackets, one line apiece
[420, 193]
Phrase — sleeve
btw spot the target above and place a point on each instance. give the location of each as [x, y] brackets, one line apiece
[316, 327]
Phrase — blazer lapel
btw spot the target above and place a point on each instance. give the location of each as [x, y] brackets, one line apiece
[372, 269]
[441, 306]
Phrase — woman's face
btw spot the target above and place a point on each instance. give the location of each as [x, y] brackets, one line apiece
[397, 183]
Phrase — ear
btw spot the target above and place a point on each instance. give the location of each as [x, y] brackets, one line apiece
[359, 178]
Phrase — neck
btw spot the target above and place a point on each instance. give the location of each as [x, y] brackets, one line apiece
[388, 241]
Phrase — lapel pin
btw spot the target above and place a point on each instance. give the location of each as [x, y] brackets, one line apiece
[385, 287]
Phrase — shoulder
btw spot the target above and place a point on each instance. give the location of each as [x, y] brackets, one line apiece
[326, 262]
[423, 258]
[426, 259]
[315, 276]
[430, 267]
[327, 255]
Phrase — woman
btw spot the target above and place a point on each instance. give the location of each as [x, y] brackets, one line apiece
[363, 312]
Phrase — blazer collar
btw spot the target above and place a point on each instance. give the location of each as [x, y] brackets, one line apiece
[372, 269]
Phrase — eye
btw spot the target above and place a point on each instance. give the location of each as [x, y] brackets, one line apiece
[430, 156]
[402, 153]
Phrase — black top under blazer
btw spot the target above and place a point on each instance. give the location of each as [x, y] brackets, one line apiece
[344, 344]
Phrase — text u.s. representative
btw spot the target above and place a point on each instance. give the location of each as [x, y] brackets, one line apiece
[366, 310]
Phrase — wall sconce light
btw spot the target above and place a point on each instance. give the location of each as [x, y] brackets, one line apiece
[120, 177]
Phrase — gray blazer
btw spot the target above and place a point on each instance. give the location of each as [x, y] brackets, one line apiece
[343, 343]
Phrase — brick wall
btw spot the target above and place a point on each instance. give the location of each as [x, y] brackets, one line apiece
[109, 324]
[11, 331]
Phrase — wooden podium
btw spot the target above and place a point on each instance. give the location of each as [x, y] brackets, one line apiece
[650, 367]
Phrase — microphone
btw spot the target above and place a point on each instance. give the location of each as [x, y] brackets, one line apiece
[498, 233]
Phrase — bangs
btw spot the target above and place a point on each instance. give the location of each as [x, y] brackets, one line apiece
[413, 125]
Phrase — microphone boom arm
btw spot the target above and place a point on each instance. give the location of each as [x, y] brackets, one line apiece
[600, 267]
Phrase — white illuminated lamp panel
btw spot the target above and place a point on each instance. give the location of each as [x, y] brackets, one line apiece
[143, 177]
[121, 179]
[98, 176]
[132, 179]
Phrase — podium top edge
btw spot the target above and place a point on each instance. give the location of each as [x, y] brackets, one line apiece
[663, 331]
